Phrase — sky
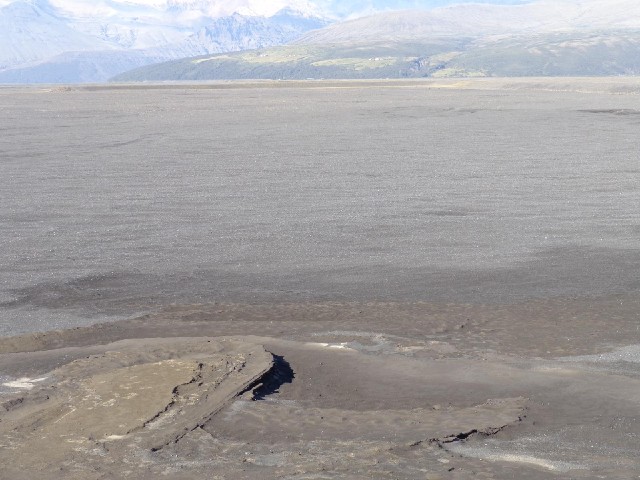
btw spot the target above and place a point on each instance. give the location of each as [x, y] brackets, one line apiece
[334, 8]
[356, 7]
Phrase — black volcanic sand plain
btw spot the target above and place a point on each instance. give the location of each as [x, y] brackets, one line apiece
[321, 280]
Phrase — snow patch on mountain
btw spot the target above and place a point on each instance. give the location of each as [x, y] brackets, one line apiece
[39, 38]
[476, 20]
[32, 33]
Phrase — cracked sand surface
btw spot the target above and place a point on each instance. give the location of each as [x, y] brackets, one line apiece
[258, 406]
[116, 413]
[99, 412]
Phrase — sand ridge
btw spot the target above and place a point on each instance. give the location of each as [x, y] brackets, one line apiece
[133, 397]
[383, 404]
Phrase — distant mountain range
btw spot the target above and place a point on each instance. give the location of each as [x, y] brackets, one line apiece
[41, 42]
[542, 38]
[71, 41]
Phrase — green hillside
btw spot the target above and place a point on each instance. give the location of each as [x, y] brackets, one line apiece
[559, 54]
[385, 60]
[553, 54]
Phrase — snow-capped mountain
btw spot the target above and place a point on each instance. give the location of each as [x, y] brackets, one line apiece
[480, 20]
[31, 33]
[539, 38]
[51, 41]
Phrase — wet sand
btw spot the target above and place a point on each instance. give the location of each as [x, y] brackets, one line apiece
[386, 280]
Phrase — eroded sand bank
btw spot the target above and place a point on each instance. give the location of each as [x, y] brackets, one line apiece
[305, 392]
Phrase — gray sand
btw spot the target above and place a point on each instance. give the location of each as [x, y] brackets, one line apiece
[321, 280]
[120, 200]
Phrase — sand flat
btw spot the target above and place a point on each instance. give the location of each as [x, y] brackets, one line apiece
[366, 280]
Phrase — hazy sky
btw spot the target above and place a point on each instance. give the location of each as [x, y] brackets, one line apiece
[342, 8]
[354, 5]
[351, 7]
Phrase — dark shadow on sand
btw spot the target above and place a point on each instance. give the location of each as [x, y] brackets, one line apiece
[280, 374]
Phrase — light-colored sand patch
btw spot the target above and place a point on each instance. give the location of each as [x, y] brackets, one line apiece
[540, 462]
[24, 383]
[338, 346]
[387, 344]
[496, 456]
[555, 370]
[629, 354]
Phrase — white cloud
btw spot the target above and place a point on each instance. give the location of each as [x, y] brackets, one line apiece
[218, 8]
[212, 8]
[84, 8]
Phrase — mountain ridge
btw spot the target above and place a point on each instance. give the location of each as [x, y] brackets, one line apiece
[562, 38]
[42, 43]
[542, 16]
[119, 39]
